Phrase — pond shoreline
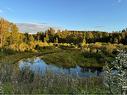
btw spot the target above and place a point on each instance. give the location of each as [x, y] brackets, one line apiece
[38, 66]
[22, 82]
[64, 58]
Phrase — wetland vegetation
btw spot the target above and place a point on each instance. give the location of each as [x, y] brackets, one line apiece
[76, 57]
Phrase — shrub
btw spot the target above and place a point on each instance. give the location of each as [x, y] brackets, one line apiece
[32, 45]
[50, 44]
[109, 48]
[23, 47]
[93, 50]
[66, 45]
[14, 47]
[7, 51]
[115, 74]
[97, 45]
[86, 49]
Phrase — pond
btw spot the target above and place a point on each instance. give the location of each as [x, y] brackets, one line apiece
[38, 66]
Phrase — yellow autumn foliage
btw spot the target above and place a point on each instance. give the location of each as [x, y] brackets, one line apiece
[23, 47]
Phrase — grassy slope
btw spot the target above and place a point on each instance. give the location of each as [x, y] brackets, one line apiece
[57, 56]
[71, 58]
[16, 56]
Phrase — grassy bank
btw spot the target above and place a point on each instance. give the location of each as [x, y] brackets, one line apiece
[71, 58]
[61, 57]
[13, 57]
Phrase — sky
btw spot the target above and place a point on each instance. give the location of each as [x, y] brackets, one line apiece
[103, 15]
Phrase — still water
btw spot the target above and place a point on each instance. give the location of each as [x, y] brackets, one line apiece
[38, 66]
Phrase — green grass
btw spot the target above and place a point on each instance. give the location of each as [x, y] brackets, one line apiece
[61, 57]
[14, 57]
[71, 58]
[11, 59]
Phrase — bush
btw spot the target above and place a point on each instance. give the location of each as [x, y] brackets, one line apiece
[32, 45]
[23, 47]
[93, 50]
[7, 51]
[115, 74]
[37, 47]
[14, 47]
[66, 45]
[108, 49]
[97, 45]
[86, 49]
[49, 47]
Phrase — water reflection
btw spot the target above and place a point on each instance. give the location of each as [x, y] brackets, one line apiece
[37, 65]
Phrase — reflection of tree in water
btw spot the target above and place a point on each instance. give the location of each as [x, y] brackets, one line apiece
[30, 60]
[38, 66]
[91, 70]
[83, 70]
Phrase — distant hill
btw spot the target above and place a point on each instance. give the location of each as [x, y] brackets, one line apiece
[34, 28]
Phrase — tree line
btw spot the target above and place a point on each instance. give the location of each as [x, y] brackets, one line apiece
[77, 37]
[10, 36]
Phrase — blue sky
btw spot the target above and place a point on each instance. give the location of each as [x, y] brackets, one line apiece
[106, 15]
